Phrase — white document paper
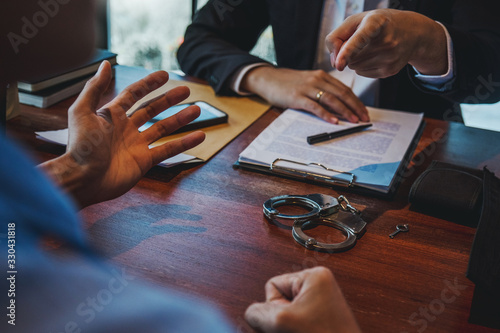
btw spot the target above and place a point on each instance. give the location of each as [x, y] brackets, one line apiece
[61, 137]
[373, 155]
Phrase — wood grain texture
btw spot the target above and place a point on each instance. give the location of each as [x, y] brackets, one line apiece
[200, 229]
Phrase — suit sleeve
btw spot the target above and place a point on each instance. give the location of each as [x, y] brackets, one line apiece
[218, 41]
[475, 32]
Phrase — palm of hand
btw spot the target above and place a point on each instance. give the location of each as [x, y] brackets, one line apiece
[113, 154]
[106, 154]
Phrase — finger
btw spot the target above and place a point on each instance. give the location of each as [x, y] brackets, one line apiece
[94, 89]
[262, 317]
[131, 112]
[379, 52]
[175, 147]
[167, 126]
[275, 293]
[369, 28]
[377, 67]
[293, 283]
[337, 106]
[152, 108]
[360, 62]
[311, 105]
[134, 92]
[288, 285]
[335, 47]
[335, 39]
[376, 73]
[342, 100]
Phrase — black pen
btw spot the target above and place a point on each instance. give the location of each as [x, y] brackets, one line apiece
[327, 136]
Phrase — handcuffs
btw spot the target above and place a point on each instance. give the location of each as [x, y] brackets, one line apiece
[324, 210]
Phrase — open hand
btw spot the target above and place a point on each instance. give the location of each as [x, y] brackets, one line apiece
[106, 154]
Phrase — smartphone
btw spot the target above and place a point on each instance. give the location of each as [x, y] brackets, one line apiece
[209, 116]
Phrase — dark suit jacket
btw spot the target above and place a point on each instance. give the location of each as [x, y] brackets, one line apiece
[217, 43]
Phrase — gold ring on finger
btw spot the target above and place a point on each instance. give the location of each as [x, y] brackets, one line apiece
[318, 95]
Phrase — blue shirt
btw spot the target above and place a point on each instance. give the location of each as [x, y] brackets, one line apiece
[75, 292]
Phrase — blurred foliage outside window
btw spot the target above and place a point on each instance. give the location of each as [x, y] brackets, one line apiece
[148, 33]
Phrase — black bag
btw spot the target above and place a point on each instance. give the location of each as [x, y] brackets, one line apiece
[470, 197]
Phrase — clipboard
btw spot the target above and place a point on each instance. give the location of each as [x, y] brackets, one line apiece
[339, 179]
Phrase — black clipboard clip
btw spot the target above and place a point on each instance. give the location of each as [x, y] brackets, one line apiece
[312, 175]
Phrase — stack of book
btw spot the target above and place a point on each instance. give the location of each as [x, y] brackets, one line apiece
[56, 87]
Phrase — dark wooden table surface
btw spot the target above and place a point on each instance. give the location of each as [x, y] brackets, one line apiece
[200, 229]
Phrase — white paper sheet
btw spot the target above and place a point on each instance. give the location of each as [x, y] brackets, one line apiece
[373, 155]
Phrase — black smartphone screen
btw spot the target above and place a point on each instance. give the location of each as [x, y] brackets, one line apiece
[209, 116]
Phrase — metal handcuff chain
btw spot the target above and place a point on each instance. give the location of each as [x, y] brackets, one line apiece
[323, 210]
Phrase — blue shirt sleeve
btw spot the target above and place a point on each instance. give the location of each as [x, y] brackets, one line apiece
[77, 291]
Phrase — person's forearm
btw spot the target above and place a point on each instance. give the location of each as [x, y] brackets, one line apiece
[68, 175]
[216, 46]
[255, 80]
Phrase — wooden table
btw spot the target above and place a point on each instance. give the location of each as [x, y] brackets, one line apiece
[201, 229]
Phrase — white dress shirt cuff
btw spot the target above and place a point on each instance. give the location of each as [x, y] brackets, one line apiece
[238, 77]
[440, 82]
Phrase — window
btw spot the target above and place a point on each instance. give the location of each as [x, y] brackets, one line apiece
[148, 33]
